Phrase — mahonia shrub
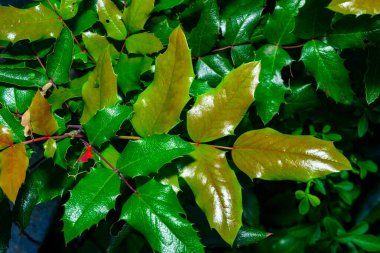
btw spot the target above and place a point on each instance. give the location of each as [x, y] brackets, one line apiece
[192, 125]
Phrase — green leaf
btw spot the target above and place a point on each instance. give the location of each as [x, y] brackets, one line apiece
[239, 20]
[369, 243]
[100, 90]
[41, 23]
[242, 54]
[129, 69]
[328, 69]
[155, 211]
[90, 201]
[204, 35]
[136, 15]
[8, 120]
[95, 44]
[24, 77]
[167, 4]
[69, 8]
[111, 18]
[50, 146]
[217, 190]
[212, 69]
[16, 99]
[314, 200]
[304, 206]
[83, 21]
[59, 62]
[217, 112]
[258, 153]
[168, 94]
[300, 194]
[248, 236]
[356, 7]
[60, 153]
[143, 43]
[351, 31]
[281, 23]
[301, 98]
[148, 155]
[313, 19]
[6, 225]
[271, 90]
[363, 126]
[105, 123]
[372, 76]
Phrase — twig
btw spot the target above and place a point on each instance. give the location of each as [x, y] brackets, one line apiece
[292, 47]
[44, 138]
[215, 146]
[128, 137]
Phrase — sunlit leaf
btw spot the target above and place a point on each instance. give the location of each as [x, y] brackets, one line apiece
[217, 112]
[155, 212]
[41, 117]
[271, 155]
[69, 8]
[357, 7]
[169, 91]
[148, 155]
[25, 77]
[143, 43]
[372, 76]
[137, 14]
[13, 165]
[50, 146]
[111, 18]
[95, 44]
[41, 23]
[6, 139]
[217, 190]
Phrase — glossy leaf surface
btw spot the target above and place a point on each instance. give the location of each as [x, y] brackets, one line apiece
[59, 62]
[212, 69]
[217, 112]
[13, 165]
[8, 120]
[271, 89]
[143, 43]
[24, 77]
[106, 122]
[111, 18]
[41, 117]
[50, 146]
[356, 7]
[372, 76]
[41, 23]
[6, 138]
[328, 69]
[167, 4]
[96, 44]
[17, 100]
[60, 153]
[155, 212]
[217, 190]
[69, 8]
[271, 155]
[169, 91]
[137, 14]
[146, 156]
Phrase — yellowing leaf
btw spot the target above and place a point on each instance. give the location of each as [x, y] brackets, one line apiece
[41, 118]
[110, 17]
[158, 108]
[35, 23]
[357, 7]
[271, 155]
[13, 165]
[217, 112]
[95, 44]
[6, 139]
[143, 43]
[137, 14]
[217, 190]
[100, 90]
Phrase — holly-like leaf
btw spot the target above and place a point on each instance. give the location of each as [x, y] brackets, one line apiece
[239, 20]
[16, 99]
[328, 69]
[8, 120]
[148, 155]
[271, 89]
[217, 190]
[212, 69]
[205, 34]
[95, 44]
[372, 76]
[129, 69]
[6, 139]
[169, 92]
[217, 112]
[13, 165]
[137, 14]
[69, 8]
[41, 118]
[60, 153]
[111, 18]
[90, 201]
[59, 62]
[50, 146]
[41, 23]
[271, 155]
[281, 23]
[357, 7]
[167, 4]
[143, 43]
[106, 122]
[24, 77]
[155, 211]
[100, 90]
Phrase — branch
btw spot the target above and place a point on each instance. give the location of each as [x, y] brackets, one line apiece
[45, 138]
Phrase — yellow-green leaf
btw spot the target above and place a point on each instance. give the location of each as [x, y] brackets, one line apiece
[143, 43]
[50, 146]
[100, 90]
[6, 139]
[271, 155]
[95, 44]
[110, 17]
[35, 23]
[357, 7]
[217, 190]
[137, 14]
[158, 108]
[217, 112]
[41, 117]
[69, 8]
[13, 165]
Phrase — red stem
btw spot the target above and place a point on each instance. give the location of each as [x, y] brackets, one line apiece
[44, 138]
